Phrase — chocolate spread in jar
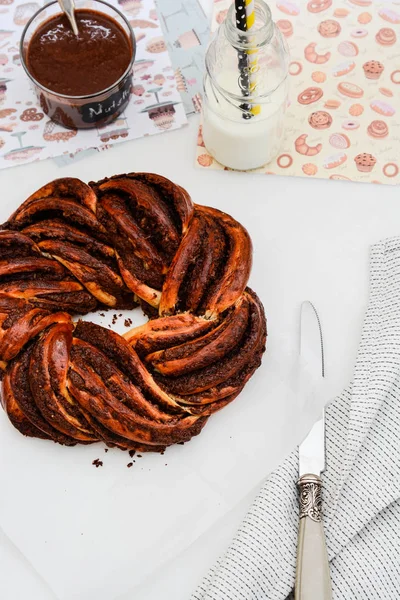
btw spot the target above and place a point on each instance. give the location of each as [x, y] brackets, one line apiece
[79, 65]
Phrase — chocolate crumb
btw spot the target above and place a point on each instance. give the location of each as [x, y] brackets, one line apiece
[181, 443]
[139, 456]
[132, 453]
[98, 463]
[128, 322]
[120, 315]
[105, 449]
[102, 314]
[129, 465]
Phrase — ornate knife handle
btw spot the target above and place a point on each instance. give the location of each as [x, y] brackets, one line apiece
[312, 572]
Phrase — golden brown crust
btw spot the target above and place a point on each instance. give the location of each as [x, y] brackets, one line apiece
[174, 195]
[102, 281]
[206, 350]
[26, 324]
[246, 350]
[165, 332]
[186, 256]
[65, 187]
[111, 397]
[70, 248]
[237, 264]
[48, 372]
[20, 404]
[25, 273]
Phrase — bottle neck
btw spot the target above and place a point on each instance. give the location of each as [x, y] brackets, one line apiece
[260, 33]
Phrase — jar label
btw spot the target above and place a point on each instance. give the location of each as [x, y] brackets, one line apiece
[100, 110]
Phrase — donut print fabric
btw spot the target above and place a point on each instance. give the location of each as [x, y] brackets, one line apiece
[344, 90]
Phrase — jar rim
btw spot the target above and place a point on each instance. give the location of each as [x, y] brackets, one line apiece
[127, 71]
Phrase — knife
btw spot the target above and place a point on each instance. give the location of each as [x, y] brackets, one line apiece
[312, 570]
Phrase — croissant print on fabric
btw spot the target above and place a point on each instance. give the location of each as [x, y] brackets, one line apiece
[72, 248]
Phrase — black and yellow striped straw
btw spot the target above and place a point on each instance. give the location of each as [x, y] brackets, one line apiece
[243, 60]
[247, 62]
[252, 54]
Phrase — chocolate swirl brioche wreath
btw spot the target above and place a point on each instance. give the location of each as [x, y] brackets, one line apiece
[72, 248]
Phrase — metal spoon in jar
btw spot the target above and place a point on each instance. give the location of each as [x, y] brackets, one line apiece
[68, 7]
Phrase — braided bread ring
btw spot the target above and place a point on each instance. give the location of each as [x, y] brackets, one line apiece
[132, 239]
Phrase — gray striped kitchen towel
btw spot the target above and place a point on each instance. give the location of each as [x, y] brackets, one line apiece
[361, 481]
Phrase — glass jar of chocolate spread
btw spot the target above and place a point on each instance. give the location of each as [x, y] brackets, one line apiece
[81, 81]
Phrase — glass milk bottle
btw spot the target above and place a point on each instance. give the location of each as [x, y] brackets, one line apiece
[245, 91]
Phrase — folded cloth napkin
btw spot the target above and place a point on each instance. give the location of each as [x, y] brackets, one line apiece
[361, 484]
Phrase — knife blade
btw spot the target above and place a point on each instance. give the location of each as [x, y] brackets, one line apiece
[312, 449]
[312, 569]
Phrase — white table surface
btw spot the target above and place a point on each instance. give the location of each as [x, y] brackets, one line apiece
[312, 241]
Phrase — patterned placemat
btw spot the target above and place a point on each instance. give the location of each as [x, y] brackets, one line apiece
[186, 31]
[343, 116]
[26, 134]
